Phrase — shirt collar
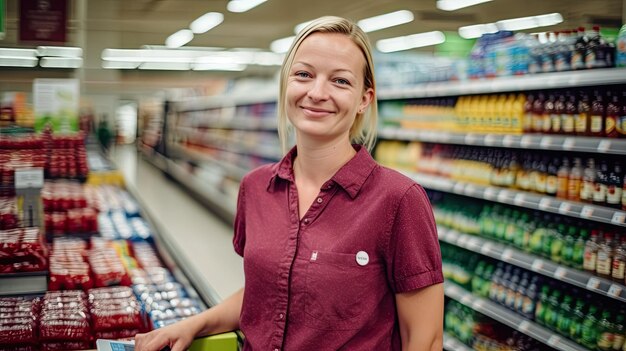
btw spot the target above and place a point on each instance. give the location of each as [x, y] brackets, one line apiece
[350, 177]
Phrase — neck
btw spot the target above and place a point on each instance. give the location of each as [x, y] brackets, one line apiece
[318, 163]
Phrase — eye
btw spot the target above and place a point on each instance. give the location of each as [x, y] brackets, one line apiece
[302, 74]
[342, 81]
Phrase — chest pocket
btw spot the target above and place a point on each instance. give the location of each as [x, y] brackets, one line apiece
[341, 294]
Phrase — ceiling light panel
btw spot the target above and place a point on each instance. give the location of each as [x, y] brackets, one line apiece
[61, 62]
[59, 51]
[18, 62]
[477, 30]
[243, 5]
[206, 22]
[385, 21]
[453, 5]
[165, 66]
[301, 26]
[530, 22]
[281, 46]
[179, 38]
[410, 41]
[233, 67]
[17, 53]
[119, 65]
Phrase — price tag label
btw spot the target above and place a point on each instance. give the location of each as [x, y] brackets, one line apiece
[470, 139]
[554, 340]
[466, 300]
[526, 141]
[560, 272]
[614, 291]
[569, 143]
[486, 249]
[523, 326]
[507, 255]
[469, 189]
[458, 188]
[478, 305]
[507, 140]
[593, 283]
[618, 218]
[537, 265]
[564, 207]
[604, 145]
[490, 139]
[519, 199]
[586, 212]
[490, 193]
[544, 203]
[503, 196]
[545, 142]
[462, 240]
[28, 178]
[473, 244]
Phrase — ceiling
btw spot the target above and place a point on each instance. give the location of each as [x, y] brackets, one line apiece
[98, 24]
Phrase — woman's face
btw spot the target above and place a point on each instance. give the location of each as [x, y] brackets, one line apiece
[325, 87]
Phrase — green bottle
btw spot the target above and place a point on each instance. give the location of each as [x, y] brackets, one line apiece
[487, 275]
[605, 332]
[589, 335]
[576, 324]
[552, 311]
[477, 279]
[564, 319]
[556, 246]
[520, 231]
[542, 305]
[618, 331]
[536, 239]
[502, 224]
[511, 227]
[567, 251]
[578, 254]
[548, 238]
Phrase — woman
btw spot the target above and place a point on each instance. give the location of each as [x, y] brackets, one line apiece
[339, 252]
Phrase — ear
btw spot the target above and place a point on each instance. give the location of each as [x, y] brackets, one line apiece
[366, 99]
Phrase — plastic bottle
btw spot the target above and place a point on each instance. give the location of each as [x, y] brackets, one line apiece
[597, 116]
[621, 119]
[618, 268]
[600, 53]
[601, 184]
[620, 43]
[580, 49]
[556, 117]
[552, 311]
[548, 113]
[614, 186]
[517, 114]
[612, 115]
[581, 122]
[564, 318]
[618, 331]
[605, 332]
[578, 316]
[604, 259]
[578, 253]
[567, 250]
[574, 182]
[569, 116]
[590, 326]
[591, 252]
[589, 180]
[537, 115]
[563, 52]
[548, 53]
[542, 305]
[552, 180]
[562, 179]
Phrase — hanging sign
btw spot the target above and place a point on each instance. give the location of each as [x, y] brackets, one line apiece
[55, 103]
[43, 20]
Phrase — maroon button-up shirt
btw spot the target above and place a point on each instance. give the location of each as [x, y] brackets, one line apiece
[304, 289]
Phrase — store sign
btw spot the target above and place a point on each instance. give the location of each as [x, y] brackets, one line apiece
[43, 20]
[3, 14]
[56, 103]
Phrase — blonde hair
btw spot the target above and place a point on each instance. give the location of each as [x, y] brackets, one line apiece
[363, 130]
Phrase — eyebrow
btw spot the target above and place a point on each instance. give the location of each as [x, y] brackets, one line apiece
[334, 71]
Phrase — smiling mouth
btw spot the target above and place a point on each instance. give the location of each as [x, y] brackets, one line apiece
[315, 110]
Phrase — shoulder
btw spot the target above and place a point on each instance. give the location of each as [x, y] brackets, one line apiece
[396, 184]
[260, 175]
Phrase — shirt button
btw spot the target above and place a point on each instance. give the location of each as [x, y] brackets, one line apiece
[319, 200]
[276, 349]
[281, 316]
[306, 221]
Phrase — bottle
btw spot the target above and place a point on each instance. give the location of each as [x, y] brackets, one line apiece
[578, 253]
[563, 52]
[581, 123]
[527, 121]
[552, 311]
[569, 242]
[591, 252]
[600, 53]
[618, 331]
[612, 115]
[580, 49]
[589, 337]
[548, 112]
[620, 43]
[578, 317]
[604, 260]
[569, 116]
[597, 116]
[621, 119]
[619, 261]
[511, 290]
[542, 305]
[556, 117]
[614, 186]
[529, 298]
[589, 179]
[537, 115]
[574, 182]
[562, 176]
[496, 282]
[564, 318]
[601, 184]
[605, 332]
[552, 180]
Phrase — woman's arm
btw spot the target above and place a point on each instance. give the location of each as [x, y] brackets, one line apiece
[420, 313]
[218, 319]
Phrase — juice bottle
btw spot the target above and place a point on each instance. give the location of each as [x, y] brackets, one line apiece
[562, 179]
[578, 316]
[578, 253]
[601, 184]
[604, 259]
[619, 261]
[548, 112]
[621, 119]
[589, 179]
[598, 116]
[564, 318]
[557, 243]
[527, 121]
[589, 337]
[618, 331]
[574, 182]
[581, 123]
[556, 117]
[580, 49]
[612, 115]
[591, 252]
[605, 332]
[567, 250]
[552, 182]
[552, 310]
[569, 116]
[542, 305]
[517, 114]
[537, 115]
[529, 299]
[511, 289]
[620, 43]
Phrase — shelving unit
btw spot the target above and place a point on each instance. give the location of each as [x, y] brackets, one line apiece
[450, 343]
[23, 283]
[202, 157]
[522, 199]
[511, 319]
[534, 263]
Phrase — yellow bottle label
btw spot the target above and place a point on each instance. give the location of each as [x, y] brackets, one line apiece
[568, 123]
[581, 123]
[596, 124]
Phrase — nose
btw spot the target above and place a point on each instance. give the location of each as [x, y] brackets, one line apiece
[318, 90]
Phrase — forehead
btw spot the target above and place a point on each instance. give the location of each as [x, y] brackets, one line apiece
[334, 49]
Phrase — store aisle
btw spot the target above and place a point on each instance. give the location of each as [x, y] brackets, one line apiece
[205, 240]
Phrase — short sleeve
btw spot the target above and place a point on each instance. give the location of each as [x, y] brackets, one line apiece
[413, 252]
[239, 239]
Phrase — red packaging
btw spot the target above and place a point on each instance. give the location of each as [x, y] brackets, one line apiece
[114, 309]
[66, 345]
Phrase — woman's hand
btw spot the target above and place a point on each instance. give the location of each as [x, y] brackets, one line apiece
[177, 336]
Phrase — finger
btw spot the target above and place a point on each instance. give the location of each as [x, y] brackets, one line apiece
[155, 344]
[179, 346]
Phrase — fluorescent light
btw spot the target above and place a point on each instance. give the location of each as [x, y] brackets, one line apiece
[477, 30]
[281, 46]
[452, 5]
[17, 53]
[410, 41]
[243, 5]
[179, 38]
[119, 65]
[18, 62]
[385, 21]
[235, 67]
[60, 51]
[170, 66]
[206, 22]
[301, 26]
[61, 62]
[530, 22]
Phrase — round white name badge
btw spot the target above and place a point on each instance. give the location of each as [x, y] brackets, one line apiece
[362, 258]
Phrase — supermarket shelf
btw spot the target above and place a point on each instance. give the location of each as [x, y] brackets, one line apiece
[218, 141]
[202, 157]
[450, 343]
[534, 141]
[511, 319]
[522, 198]
[23, 283]
[572, 79]
[238, 123]
[156, 159]
[230, 100]
[534, 263]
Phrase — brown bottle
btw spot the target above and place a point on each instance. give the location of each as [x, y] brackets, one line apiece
[589, 180]
[548, 112]
[601, 184]
[527, 122]
[591, 252]
[612, 114]
[574, 182]
[614, 187]
[568, 117]
[581, 123]
[597, 116]
[621, 120]
[556, 117]
[537, 115]
[619, 260]
[562, 179]
[604, 260]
